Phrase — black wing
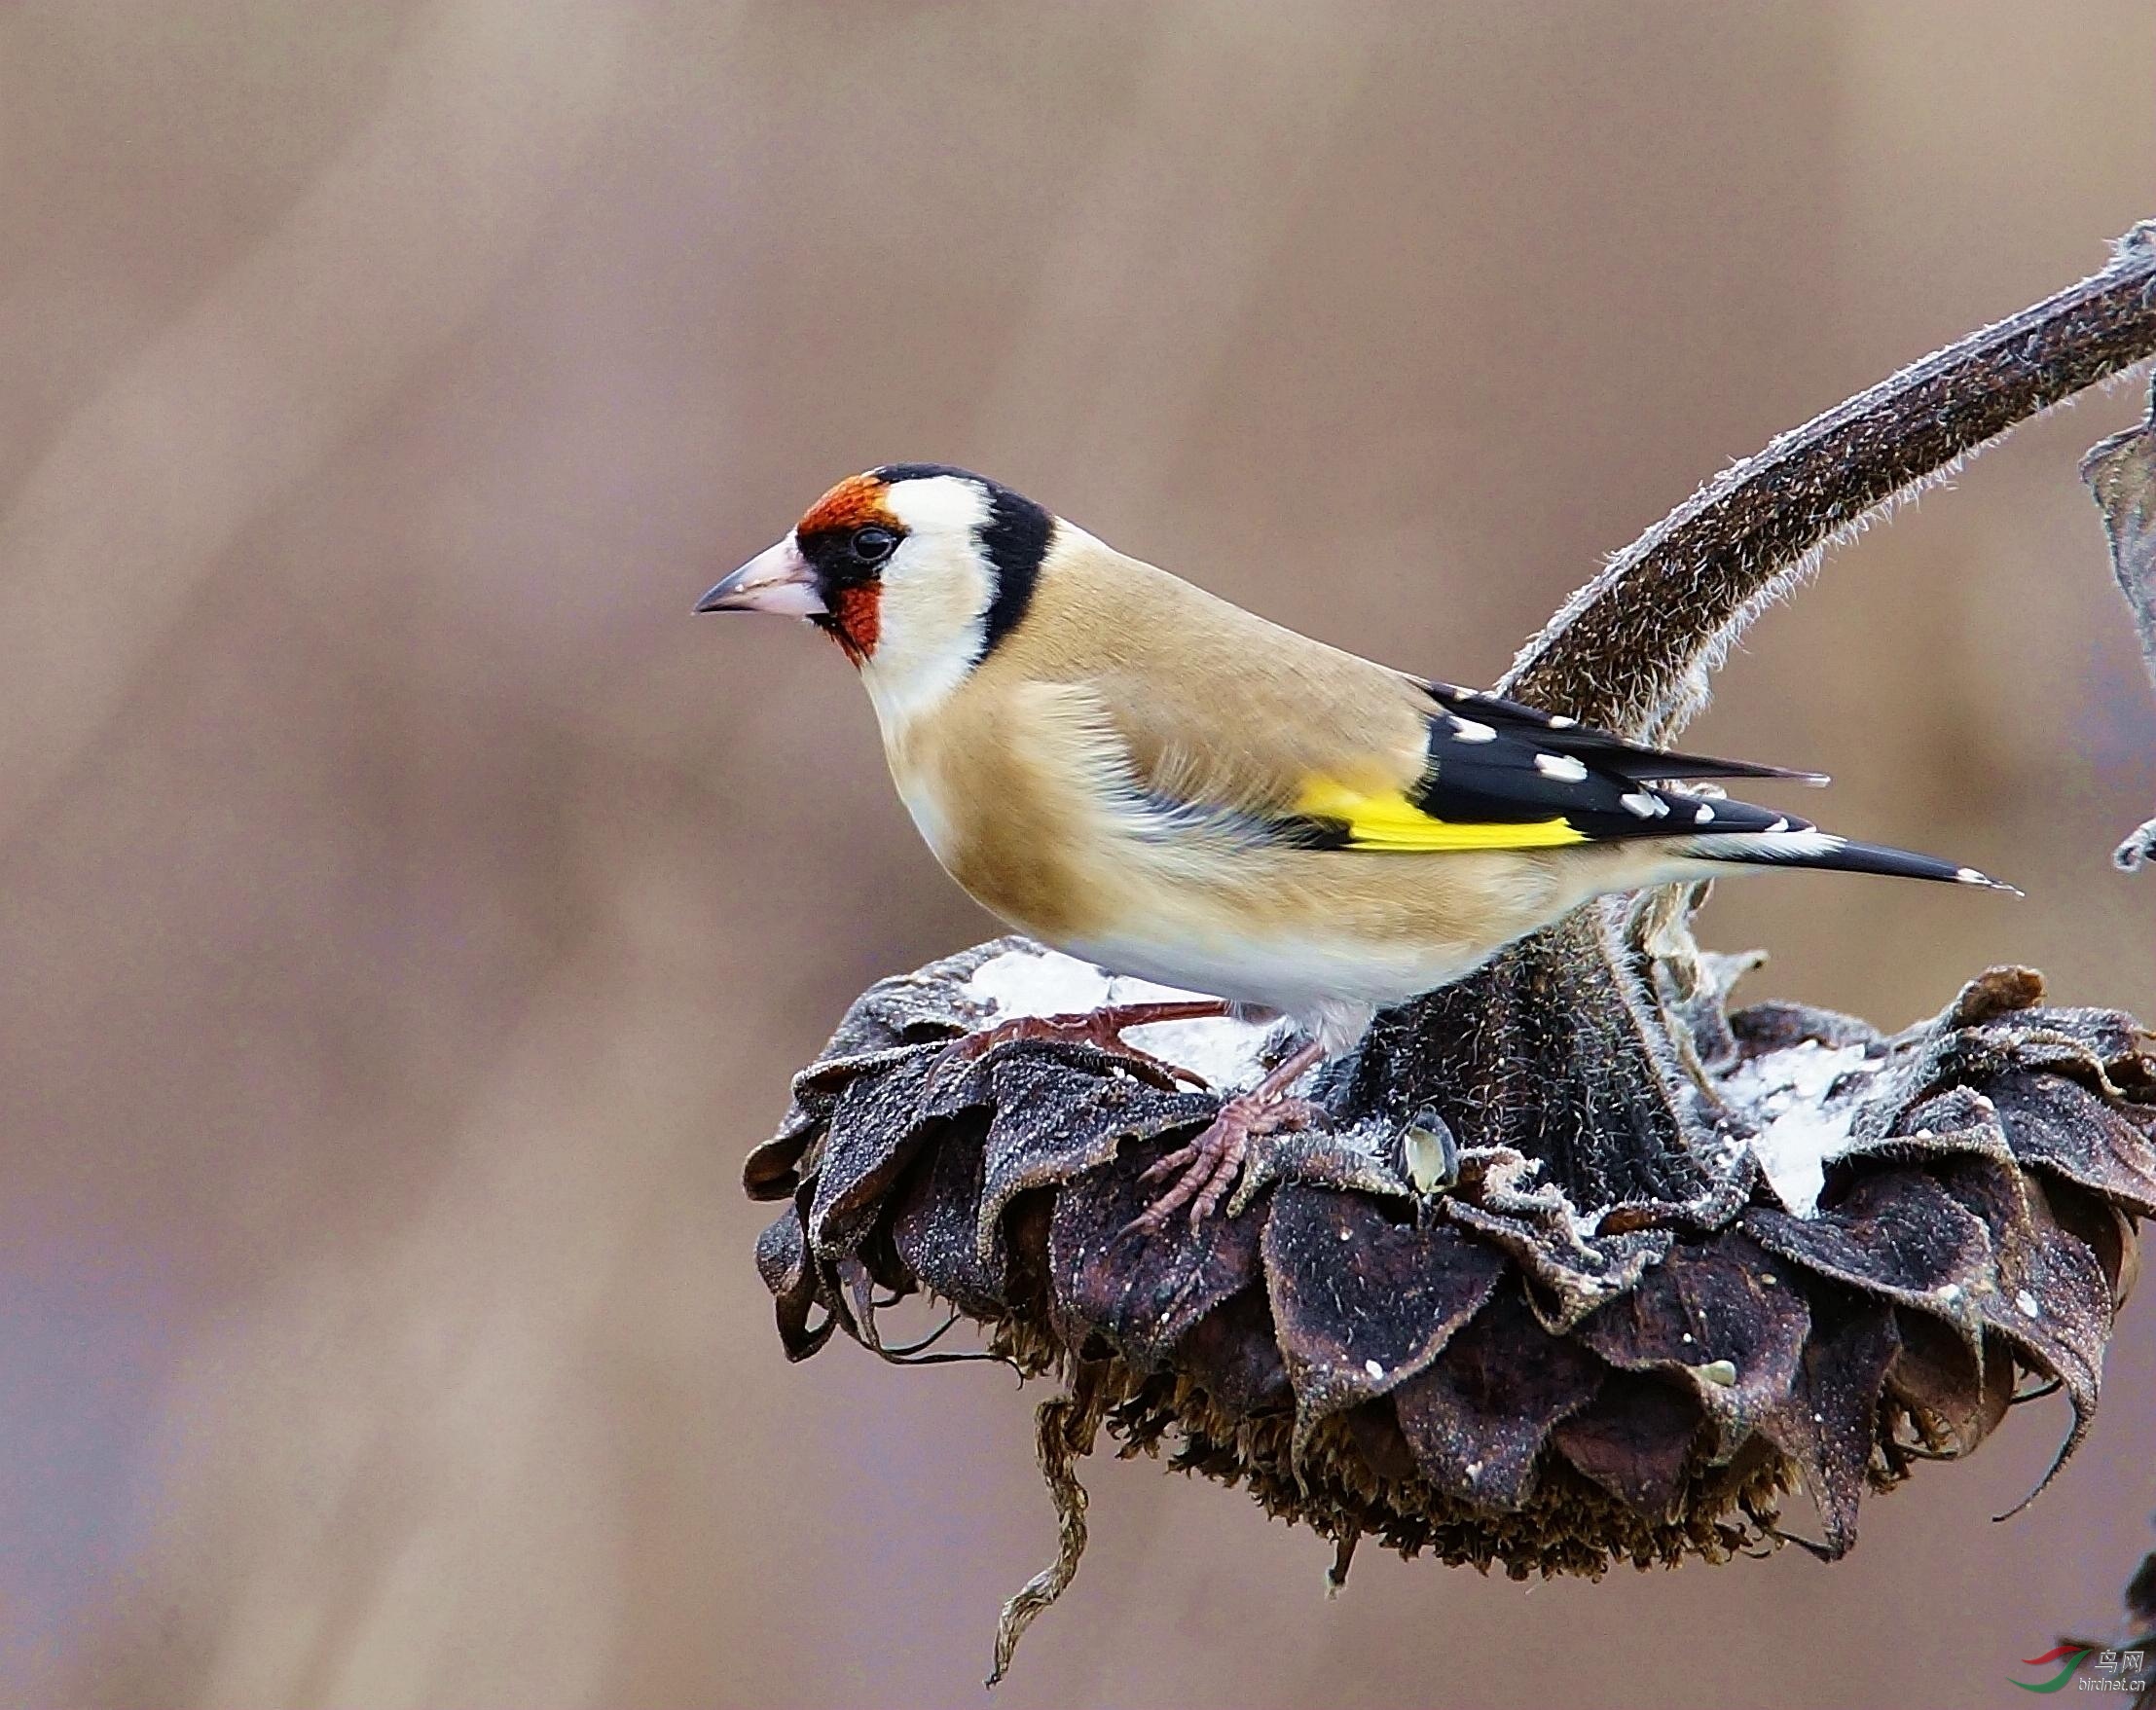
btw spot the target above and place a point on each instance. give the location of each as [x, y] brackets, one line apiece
[1494, 761]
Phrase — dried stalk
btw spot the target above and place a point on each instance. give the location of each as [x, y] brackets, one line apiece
[1065, 1427]
[1632, 650]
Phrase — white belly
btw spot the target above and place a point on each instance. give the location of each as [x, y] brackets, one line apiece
[1329, 986]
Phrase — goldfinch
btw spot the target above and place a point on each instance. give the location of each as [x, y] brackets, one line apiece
[1139, 772]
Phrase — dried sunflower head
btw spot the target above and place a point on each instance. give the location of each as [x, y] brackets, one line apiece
[1886, 1239]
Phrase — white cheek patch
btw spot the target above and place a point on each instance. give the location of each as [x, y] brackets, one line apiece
[935, 594]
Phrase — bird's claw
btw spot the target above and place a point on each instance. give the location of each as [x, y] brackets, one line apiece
[1206, 1169]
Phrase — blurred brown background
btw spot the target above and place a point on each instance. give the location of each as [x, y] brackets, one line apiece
[410, 914]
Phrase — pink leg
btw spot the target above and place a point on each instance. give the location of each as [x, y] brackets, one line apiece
[1209, 1165]
[1101, 1028]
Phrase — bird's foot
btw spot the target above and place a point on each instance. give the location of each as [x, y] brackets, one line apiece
[1102, 1029]
[1205, 1169]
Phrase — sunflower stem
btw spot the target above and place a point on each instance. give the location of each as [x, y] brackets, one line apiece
[1632, 650]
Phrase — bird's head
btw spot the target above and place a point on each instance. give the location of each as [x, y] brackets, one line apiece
[916, 569]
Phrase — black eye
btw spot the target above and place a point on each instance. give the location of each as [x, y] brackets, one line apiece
[871, 546]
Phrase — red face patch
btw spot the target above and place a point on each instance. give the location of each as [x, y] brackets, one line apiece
[854, 503]
[856, 619]
[848, 584]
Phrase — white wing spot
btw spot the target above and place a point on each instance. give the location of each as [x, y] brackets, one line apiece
[1374, 1369]
[1466, 730]
[1561, 766]
[1778, 826]
[1640, 803]
[1558, 721]
[1970, 876]
[1704, 815]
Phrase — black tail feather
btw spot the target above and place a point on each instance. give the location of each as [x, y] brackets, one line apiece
[1808, 847]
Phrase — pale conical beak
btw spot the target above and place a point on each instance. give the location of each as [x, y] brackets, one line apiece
[778, 579]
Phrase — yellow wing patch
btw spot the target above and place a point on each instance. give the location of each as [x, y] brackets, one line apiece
[1391, 821]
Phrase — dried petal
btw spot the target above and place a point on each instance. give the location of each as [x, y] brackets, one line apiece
[2096, 1046]
[1501, 1198]
[1898, 1235]
[1233, 1355]
[1829, 1420]
[1145, 1293]
[1633, 1439]
[1765, 1028]
[1362, 1302]
[1715, 1208]
[1709, 1304]
[935, 1224]
[2065, 1129]
[783, 1261]
[1478, 1418]
[1572, 1277]
[2050, 1297]
[1375, 1431]
[2100, 1226]
[1319, 1158]
[1051, 1125]
[1960, 1396]
[773, 1170]
[875, 1130]
[1995, 992]
[1958, 1122]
